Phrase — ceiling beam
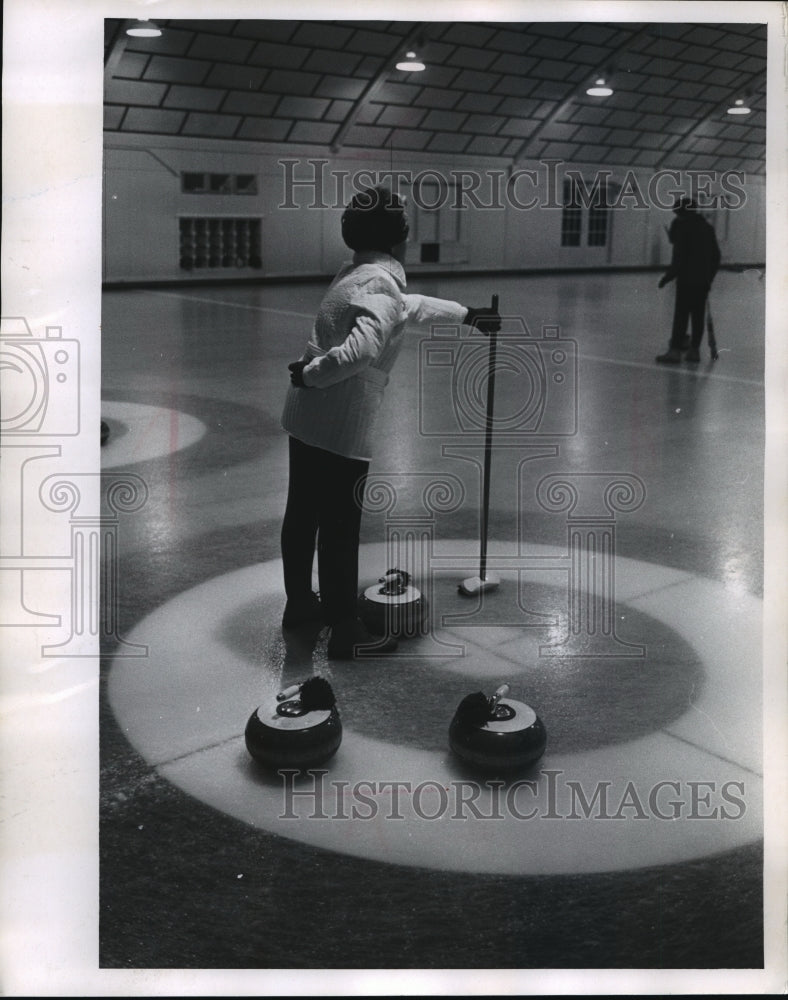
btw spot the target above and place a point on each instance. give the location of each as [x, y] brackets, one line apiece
[116, 50]
[693, 132]
[526, 148]
[373, 88]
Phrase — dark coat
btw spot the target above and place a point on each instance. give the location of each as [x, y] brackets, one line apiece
[696, 253]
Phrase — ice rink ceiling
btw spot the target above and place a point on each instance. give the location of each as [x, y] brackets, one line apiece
[514, 91]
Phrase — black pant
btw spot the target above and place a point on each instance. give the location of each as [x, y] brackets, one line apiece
[324, 503]
[690, 304]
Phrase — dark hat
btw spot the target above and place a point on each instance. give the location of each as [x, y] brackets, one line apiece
[374, 220]
[684, 205]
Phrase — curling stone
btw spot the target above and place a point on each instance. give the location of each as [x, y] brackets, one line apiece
[393, 606]
[302, 729]
[497, 733]
[104, 432]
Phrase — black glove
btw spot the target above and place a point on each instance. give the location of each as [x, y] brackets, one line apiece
[485, 320]
[297, 374]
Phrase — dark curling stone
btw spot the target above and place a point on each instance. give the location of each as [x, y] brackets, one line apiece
[393, 606]
[497, 733]
[104, 432]
[302, 729]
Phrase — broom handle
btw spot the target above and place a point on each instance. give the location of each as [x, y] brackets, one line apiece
[710, 328]
[488, 449]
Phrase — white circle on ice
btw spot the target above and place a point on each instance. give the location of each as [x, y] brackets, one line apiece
[686, 791]
[152, 432]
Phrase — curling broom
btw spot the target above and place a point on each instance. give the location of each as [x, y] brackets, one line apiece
[485, 581]
[710, 330]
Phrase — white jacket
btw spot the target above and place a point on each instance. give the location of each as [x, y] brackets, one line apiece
[355, 342]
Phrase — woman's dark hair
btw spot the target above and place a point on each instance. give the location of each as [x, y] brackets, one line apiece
[374, 220]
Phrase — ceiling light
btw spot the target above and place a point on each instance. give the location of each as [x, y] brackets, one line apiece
[739, 108]
[411, 63]
[600, 89]
[143, 29]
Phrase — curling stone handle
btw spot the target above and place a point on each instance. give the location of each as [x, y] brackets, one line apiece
[288, 692]
[502, 691]
[395, 582]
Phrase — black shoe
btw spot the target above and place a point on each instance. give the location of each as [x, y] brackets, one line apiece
[306, 612]
[351, 640]
[693, 355]
[672, 357]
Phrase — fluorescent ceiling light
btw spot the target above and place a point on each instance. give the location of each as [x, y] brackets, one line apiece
[411, 63]
[143, 29]
[739, 108]
[600, 89]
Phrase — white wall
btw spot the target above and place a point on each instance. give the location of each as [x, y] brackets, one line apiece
[143, 200]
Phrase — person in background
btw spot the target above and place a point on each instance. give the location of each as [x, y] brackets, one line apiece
[335, 394]
[695, 262]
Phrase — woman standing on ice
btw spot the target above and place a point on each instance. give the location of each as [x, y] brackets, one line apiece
[336, 392]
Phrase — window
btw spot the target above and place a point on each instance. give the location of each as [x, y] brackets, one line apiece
[598, 214]
[245, 183]
[589, 213]
[572, 217]
[196, 183]
[193, 183]
[434, 221]
[220, 184]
